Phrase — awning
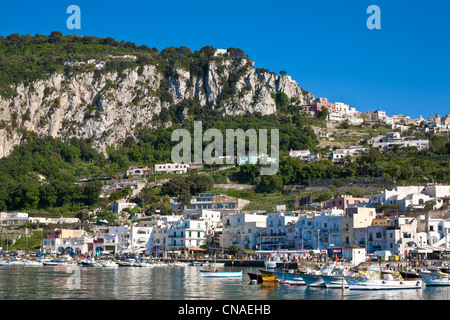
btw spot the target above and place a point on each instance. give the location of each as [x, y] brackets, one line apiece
[422, 250]
[196, 249]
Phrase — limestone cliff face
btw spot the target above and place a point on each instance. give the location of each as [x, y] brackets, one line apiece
[111, 107]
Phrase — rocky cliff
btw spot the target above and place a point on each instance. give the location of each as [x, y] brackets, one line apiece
[110, 107]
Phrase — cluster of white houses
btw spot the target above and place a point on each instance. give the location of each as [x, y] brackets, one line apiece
[390, 141]
[218, 221]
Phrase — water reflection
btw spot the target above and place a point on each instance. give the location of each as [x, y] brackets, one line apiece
[174, 283]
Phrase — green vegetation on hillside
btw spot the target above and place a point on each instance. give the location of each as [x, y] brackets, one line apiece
[41, 173]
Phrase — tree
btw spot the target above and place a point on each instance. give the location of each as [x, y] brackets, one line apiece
[165, 207]
[270, 182]
[249, 172]
[106, 215]
[92, 192]
[323, 113]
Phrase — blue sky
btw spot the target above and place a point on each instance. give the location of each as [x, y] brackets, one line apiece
[324, 45]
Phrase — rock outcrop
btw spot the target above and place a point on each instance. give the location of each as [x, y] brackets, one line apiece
[110, 107]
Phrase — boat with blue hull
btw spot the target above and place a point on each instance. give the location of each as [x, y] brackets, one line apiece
[291, 277]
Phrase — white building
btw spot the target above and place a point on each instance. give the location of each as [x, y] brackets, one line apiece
[322, 230]
[177, 168]
[412, 196]
[275, 235]
[243, 230]
[210, 216]
[341, 107]
[393, 139]
[341, 154]
[256, 158]
[138, 172]
[299, 153]
[118, 207]
[133, 239]
[401, 235]
[186, 235]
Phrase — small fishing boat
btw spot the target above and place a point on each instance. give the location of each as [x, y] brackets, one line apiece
[268, 277]
[432, 277]
[5, 263]
[179, 264]
[33, 263]
[144, 264]
[271, 263]
[54, 262]
[221, 274]
[377, 279]
[16, 262]
[110, 264]
[313, 278]
[89, 263]
[291, 277]
[255, 277]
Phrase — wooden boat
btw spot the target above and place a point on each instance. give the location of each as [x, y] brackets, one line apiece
[268, 276]
[255, 277]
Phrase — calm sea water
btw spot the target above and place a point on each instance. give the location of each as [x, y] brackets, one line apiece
[173, 283]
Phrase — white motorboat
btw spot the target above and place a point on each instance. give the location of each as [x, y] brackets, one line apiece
[54, 262]
[16, 262]
[221, 274]
[128, 263]
[33, 263]
[336, 277]
[271, 263]
[110, 264]
[435, 277]
[5, 263]
[381, 280]
[144, 264]
[89, 263]
[179, 264]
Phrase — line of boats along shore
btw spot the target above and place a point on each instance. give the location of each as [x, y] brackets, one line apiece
[210, 269]
[333, 274]
[336, 274]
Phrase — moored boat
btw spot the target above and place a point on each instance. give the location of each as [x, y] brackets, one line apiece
[5, 263]
[291, 277]
[381, 280]
[221, 274]
[109, 264]
[32, 263]
[89, 263]
[435, 278]
[268, 277]
[16, 262]
[313, 278]
[255, 277]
